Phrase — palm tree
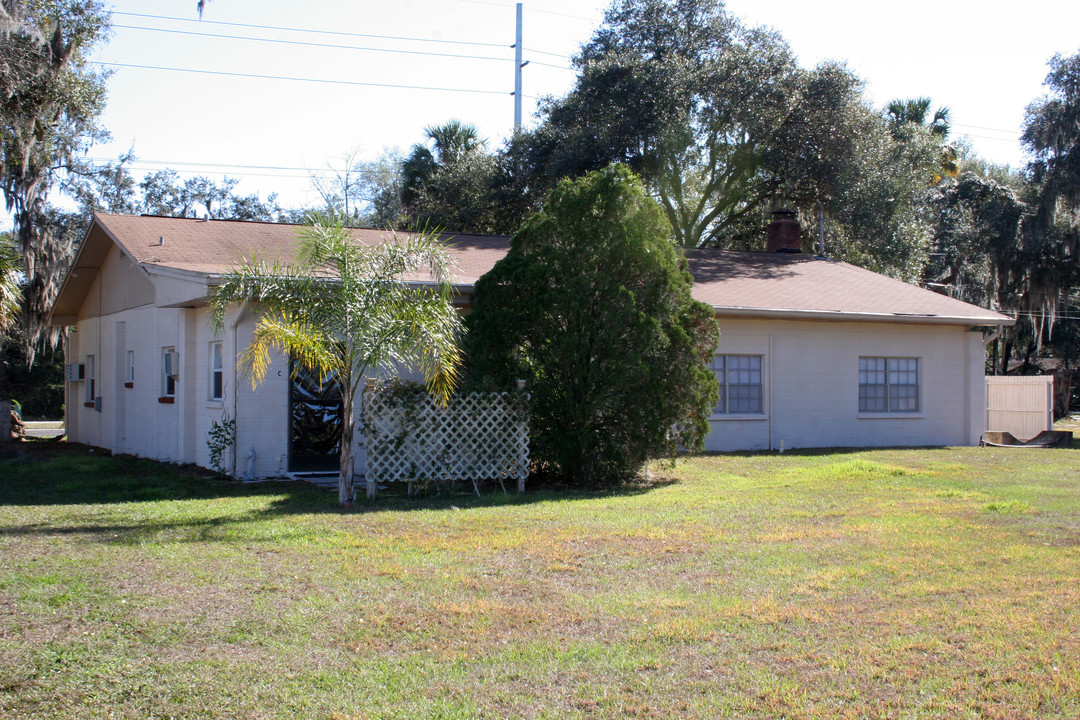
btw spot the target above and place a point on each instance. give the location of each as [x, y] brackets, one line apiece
[451, 142]
[10, 303]
[345, 310]
[914, 111]
[10, 286]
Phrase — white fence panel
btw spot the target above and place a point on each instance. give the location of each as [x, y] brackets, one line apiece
[1023, 406]
[478, 436]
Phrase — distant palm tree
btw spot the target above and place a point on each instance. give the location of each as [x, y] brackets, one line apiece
[453, 140]
[914, 111]
[345, 310]
[450, 142]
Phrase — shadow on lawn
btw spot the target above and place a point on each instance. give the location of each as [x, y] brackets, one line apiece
[93, 486]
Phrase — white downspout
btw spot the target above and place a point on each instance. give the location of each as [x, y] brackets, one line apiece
[67, 385]
[770, 386]
[236, 384]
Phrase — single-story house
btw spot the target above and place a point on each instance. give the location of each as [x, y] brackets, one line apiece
[813, 352]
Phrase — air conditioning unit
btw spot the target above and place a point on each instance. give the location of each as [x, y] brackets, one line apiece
[172, 364]
[74, 372]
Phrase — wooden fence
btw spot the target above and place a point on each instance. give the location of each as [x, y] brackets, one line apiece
[1023, 406]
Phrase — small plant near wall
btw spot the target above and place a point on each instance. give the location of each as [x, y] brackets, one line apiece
[220, 439]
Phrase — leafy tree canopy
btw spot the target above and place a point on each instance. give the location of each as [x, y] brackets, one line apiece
[722, 124]
[592, 307]
[451, 181]
[1052, 136]
[113, 188]
[50, 101]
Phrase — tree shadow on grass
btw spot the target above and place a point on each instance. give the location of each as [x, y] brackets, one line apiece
[94, 494]
[817, 451]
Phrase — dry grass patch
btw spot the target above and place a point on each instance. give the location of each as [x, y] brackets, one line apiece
[892, 584]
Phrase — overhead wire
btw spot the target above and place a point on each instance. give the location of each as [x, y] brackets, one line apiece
[308, 30]
[314, 44]
[980, 127]
[302, 79]
[530, 9]
[332, 32]
[191, 167]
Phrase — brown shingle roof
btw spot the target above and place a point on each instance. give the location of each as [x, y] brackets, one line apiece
[733, 282]
[215, 246]
[751, 283]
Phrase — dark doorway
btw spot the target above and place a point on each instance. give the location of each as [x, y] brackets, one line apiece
[315, 419]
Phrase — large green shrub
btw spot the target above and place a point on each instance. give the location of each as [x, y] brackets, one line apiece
[592, 307]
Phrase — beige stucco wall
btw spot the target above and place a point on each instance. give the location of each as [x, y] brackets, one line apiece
[119, 315]
[811, 385]
[810, 381]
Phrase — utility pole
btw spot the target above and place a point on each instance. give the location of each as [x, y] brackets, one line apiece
[517, 73]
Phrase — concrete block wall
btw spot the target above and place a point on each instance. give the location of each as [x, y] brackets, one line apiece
[811, 386]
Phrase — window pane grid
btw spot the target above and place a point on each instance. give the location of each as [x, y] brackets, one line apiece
[889, 385]
[740, 384]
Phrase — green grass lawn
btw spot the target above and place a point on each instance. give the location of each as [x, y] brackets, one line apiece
[883, 584]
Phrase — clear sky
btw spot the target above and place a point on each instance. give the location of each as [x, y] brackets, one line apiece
[985, 61]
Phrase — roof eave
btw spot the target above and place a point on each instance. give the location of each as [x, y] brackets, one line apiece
[905, 318]
[76, 264]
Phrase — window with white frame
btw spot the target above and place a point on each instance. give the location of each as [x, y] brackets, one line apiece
[888, 385]
[170, 371]
[91, 378]
[740, 384]
[217, 374]
[129, 373]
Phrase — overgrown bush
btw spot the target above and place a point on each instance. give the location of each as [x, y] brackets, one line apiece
[592, 307]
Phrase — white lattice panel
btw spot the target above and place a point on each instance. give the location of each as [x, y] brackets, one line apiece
[478, 436]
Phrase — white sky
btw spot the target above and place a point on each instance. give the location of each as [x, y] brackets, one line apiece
[986, 61]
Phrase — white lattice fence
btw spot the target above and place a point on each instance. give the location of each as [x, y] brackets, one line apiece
[478, 436]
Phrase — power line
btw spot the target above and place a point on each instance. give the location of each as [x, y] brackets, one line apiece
[171, 163]
[980, 127]
[557, 67]
[303, 79]
[305, 30]
[529, 9]
[225, 168]
[326, 32]
[990, 137]
[314, 44]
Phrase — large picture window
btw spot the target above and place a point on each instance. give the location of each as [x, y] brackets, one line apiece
[888, 385]
[740, 384]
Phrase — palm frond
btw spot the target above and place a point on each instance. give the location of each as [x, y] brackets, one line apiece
[304, 343]
[344, 308]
